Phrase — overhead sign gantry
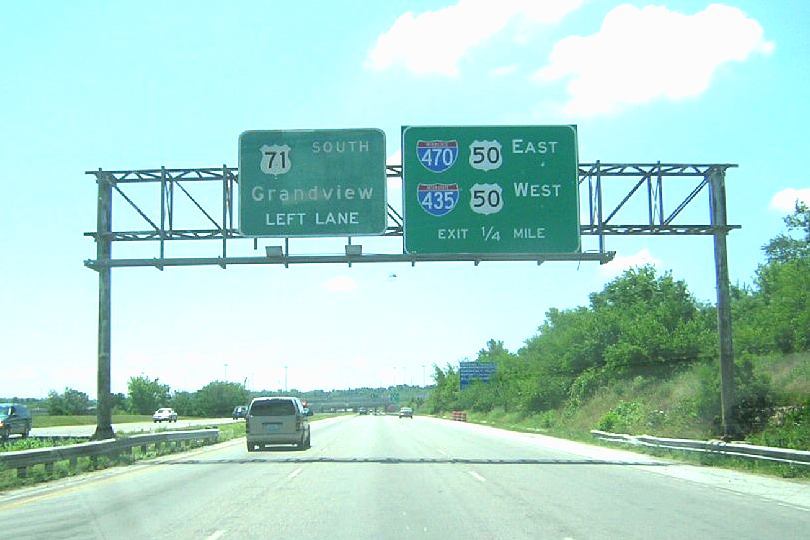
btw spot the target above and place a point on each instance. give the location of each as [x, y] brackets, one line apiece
[514, 193]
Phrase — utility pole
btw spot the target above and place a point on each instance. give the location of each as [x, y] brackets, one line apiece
[717, 190]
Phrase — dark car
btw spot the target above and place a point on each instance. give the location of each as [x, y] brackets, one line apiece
[239, 412]
[14, 419]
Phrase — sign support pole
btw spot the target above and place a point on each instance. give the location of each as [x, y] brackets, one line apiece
[717, 186]
[104, 253]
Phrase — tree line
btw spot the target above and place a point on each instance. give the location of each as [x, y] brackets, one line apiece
[146, 395]
[218, 398]
[646, 324]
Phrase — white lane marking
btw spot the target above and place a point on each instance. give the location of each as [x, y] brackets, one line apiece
[793, 506]
[442, 452]
[217, 534]
[295, 473]
[477, 476]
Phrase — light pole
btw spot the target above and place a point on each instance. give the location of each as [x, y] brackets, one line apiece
[226, 372]
[285, 379]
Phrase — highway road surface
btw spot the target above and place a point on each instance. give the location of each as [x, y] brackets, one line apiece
[129, 427]
[380, 477]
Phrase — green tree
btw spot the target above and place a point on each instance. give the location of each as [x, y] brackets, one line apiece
[218, 398]
[444, 396]
[147, 395]
[775, 315]
[785, 247]
[656, 323]
[118, 402]
[70, 402]
[185, 403]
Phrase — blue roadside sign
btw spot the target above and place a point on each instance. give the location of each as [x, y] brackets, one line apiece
[475, 371]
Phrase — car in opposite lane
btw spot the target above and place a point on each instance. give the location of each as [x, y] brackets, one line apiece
[15, 418]
[164, 414]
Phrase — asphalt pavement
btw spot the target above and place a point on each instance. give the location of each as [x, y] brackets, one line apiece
[382, 477]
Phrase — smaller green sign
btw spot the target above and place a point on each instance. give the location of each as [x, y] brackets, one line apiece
[298, 183]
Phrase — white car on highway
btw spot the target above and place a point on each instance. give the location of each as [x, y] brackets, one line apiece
[164, 414]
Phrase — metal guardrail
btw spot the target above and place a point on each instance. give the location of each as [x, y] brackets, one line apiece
[735, 449]
[23, 459]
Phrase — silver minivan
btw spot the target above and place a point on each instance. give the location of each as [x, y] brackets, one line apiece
[277, 420]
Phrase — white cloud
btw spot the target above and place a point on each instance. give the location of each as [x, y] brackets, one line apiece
[620, 263]
[503, 71]
[641, 55]
[785, 200]
[434, 42]
[340, 284]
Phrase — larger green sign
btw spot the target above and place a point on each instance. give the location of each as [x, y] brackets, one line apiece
[490, 189]
[312, 183]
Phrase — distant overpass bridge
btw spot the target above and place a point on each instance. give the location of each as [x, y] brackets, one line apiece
[354, 404]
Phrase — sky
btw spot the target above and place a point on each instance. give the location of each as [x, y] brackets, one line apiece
[140, 85]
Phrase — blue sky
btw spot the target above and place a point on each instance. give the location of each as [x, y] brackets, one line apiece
[123, 85]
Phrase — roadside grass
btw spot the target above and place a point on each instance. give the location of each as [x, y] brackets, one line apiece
[675, 407]
[789, 375]
[42, 421]
[540, 423]
[13, 445]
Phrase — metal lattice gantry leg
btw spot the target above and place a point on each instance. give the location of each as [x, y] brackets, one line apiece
[104, 428]
[718, 210]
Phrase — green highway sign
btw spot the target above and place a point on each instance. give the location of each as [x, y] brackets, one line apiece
[297, 183]
[490, 189]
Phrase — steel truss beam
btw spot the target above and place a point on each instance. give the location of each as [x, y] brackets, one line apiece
[349, 259]
[592, 177]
